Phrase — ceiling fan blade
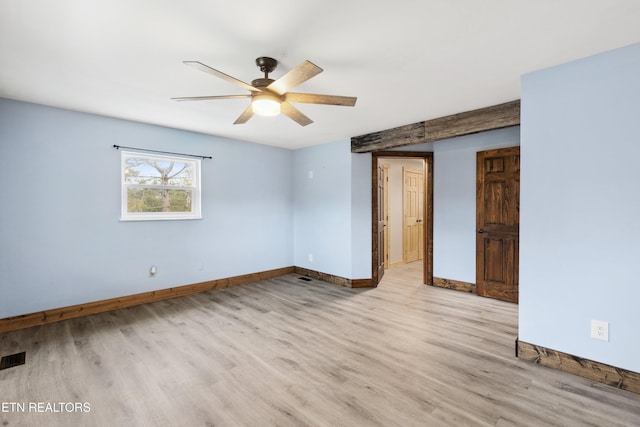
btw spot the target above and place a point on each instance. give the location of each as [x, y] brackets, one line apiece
[206, 98]
[295, 77]
[295, 114]
[245, 116]
[314, 98]
[200, 66]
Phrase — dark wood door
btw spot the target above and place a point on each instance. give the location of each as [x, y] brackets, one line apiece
[497, 223]
[381, 223]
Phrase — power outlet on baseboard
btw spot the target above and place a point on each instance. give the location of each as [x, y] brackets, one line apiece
[600, 330]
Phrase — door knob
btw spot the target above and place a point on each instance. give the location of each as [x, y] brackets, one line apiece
[480, 231]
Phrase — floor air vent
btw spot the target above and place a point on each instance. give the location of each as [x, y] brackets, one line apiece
[306, 279]
[12, 360]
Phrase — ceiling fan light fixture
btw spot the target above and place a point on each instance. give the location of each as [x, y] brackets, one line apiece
[266, 104]
[271, 97]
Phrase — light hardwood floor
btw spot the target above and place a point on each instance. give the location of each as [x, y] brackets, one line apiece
[291, 353]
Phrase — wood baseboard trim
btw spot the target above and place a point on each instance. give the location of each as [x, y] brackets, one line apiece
[361, 283]
[454, 284]
[336, 280]
[595, 371]
[87, 309]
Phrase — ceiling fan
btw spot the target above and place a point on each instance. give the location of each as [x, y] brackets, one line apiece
[271, 97]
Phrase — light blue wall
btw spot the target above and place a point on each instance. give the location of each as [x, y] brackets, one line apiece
[580, 207]
[454, 198]
[360, 215]
[322, 208]
[61, 241]
[332, 210]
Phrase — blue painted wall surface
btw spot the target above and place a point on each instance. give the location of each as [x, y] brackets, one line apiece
[322, 208]
[360, 215]
[580, 207]
[61, 241]
[332, 210]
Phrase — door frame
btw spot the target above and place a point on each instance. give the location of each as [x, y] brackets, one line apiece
[387, 237]
[427, 255]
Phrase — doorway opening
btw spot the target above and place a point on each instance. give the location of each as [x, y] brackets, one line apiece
[417, 216]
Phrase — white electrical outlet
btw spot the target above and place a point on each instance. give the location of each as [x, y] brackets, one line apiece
[310, 257]
[600, 330]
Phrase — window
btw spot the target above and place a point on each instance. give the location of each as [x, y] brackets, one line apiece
[158, 187]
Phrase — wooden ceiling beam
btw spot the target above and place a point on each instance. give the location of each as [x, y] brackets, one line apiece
[483, 119]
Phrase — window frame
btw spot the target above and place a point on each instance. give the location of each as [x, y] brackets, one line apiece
[195, 213]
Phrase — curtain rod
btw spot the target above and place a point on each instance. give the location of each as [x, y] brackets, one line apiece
[117, 147]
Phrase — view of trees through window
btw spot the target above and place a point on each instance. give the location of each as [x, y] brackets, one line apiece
[158, 185]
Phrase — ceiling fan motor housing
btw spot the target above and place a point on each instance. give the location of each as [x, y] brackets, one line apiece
[261, 83]
[266, 65]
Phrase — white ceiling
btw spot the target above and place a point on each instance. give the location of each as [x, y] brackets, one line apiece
[406, 60]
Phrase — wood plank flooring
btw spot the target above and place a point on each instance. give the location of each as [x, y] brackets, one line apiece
[288, 352]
